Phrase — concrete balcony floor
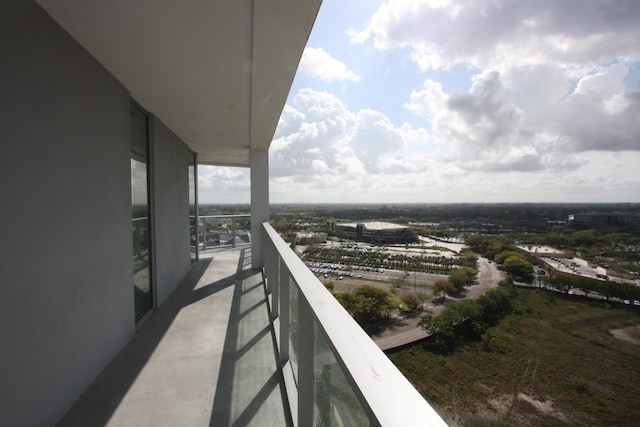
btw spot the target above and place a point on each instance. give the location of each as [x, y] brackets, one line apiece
[205, 357]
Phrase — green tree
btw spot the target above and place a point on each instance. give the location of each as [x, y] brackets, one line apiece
[585, 238]
[367, 304]
[413, 300]
[468, 258]
[517, 266]
[495, 304]
[558, 240]
[502, 256]
[491, 248]
[460, 277]
[442, 331]
[443, 287]
[466, 315]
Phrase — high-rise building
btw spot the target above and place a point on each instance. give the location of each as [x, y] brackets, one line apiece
[107, 107]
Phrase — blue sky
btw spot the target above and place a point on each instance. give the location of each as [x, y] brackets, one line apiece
[458, 101]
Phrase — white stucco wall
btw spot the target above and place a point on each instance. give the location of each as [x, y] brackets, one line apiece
[65, 252]
[170, 159]
[66, 301]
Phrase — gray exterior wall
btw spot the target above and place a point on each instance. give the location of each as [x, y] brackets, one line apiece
[66, 287]
[169, 162]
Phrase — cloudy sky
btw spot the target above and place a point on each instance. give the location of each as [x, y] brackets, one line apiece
[458, 101]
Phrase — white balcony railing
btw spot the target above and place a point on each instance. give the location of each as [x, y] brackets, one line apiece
[334, 374]
[223, 231]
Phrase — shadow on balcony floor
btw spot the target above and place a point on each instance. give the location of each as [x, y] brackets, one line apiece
[206, 357]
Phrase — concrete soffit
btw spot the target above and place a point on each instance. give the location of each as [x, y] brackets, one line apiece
[216, 73]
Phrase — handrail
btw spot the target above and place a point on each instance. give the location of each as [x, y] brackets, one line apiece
[225, 216]
[202, 219]
[386, 397]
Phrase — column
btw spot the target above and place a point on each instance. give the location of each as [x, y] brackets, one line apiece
[259, 203]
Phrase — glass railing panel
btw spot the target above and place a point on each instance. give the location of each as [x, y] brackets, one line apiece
[345, 379]
[293, 327]
[224, 231]
[336, 404]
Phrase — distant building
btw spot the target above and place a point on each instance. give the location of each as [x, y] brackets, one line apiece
[558, 263]
[379, 233]
[307, 238]
[544, 251]
[601, 218]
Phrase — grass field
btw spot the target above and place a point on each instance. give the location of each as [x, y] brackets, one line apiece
[556, 362]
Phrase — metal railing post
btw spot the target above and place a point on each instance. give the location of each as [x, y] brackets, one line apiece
[233, 232]
[204, 234]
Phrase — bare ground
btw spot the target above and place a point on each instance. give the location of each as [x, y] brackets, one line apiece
[630, 334]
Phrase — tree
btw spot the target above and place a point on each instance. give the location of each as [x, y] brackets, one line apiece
[466, 315]
[471, 272]
[468, 258]
[460, 320]
[367, 304]
[491, 248]
[459, 277]
[585, 238]
[502, 256]
[442, 287]
[442, 331]
[495, 304]
[413, 300]
[428, 324]
[517, 266]
[558, 240]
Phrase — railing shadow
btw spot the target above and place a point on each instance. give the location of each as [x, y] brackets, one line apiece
[244, 388]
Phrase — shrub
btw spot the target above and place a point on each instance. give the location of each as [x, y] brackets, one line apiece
[367, 304]
[413, 300]
[580, 385]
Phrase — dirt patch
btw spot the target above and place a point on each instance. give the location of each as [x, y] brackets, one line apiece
[630, 334]
[519, 409]
[546, 406]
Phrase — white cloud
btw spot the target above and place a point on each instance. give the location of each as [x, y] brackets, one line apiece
[605, 83]
[329, 147]
[548, 115]
[218, 184]
[520, 123]
[320, 130]
[491, 34]
[317, 63]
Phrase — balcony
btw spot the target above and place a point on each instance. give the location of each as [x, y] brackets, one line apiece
[240, 346]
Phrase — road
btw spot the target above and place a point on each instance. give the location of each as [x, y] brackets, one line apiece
[408, 331]
[488, 277]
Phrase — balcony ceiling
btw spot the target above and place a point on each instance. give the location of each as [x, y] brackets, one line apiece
[216, 72]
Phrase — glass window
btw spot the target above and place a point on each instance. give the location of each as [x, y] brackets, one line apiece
[193, 227]
[140, 218]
